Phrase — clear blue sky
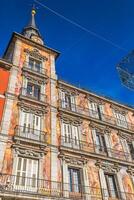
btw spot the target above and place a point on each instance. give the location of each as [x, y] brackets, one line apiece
[85, 60]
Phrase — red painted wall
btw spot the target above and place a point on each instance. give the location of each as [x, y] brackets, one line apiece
[4, 78]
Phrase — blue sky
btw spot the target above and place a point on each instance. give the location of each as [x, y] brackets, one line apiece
[85, 60]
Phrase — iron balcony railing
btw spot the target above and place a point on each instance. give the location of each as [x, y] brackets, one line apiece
[21, 185]
[95, 148]
[30, 133]
[38, 97]
[35, 68]
[96, 115]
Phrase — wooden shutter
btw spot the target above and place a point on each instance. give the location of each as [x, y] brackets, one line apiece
[93, 110]
[73, 106]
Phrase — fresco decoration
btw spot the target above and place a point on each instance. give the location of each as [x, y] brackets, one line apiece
[94, 179]
[8, 160]
[82, 103]
[117, 149]
[86, 136]
[128, 185]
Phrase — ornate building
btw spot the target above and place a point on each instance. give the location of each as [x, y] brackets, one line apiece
[58, 141]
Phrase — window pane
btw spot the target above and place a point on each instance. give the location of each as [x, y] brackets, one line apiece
[31, 63]
[37, 66]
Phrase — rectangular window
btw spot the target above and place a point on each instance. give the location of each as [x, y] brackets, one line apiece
[30, 126]
[74, 180]
[100, 142]
[111, 186]
[70, 135]
[26, 173]
[93, 110]
[131, 150]
[33, 90]
[67, 101]
[35, 65]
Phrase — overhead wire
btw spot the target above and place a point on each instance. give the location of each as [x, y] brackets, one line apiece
[82, 27]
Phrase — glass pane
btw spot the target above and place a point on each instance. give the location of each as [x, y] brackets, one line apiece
[37, 66]
[31, 63]
[29, 89]
[112, 186]
[37, 91]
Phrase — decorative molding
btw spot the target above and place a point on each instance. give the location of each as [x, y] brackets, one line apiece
[98, 127]
[130, 170]
[70, 119]
[108, 167]
[95, 100]
[35, 54]
[39, 110]
[77, 161]
[33, 79]
[68, 90]
[119, 109]
[28, 152]
[126, 136]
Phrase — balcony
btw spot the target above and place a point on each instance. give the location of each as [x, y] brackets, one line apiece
[30, 135]
[91, 148]
[95, 115]
[33, 96]
[35, 69]
[17, 186]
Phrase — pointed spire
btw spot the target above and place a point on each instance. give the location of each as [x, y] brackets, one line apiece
[32, 20]
[31, 31]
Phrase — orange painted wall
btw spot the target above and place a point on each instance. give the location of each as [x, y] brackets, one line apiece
[4, 77]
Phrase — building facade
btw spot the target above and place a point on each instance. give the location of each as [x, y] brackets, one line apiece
[58, 141]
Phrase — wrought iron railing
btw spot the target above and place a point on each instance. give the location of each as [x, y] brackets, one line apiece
[30, 133]
[40, 97]
[18, 185]
[33, 68]
[95, 148]
[94, 114]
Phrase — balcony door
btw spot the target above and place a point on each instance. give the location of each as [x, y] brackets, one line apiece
[30, 126]
[26, 174]
[75, 137]
[68, 101]
[66, 135]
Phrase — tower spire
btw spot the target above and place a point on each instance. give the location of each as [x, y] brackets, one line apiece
[31, 31]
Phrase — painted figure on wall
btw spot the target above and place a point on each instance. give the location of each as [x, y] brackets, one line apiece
[128, 186]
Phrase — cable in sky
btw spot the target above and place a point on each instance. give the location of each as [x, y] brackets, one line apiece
[81, 27]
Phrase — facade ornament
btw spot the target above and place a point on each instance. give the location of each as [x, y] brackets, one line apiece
[119, 109]
[33, 79]
[35, 54]
[130, 170]
[77, 161]
[108, 167]
[70, 119]
[95, 99]
[68, 90]
[39, 110]
[126, 136]
[28, 152]
[108, 130]
[98, 127]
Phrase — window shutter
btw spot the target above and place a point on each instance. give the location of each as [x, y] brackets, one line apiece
[126, 149]
[95, 140]
[73, 103]
[75, 136]
[93, 111]
[108, 145]
[103, 185]
[62, 97]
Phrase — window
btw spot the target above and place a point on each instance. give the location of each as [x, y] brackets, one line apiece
[131, 150]
[120, 119]
[35, 65]
[74, 180]
[70, 135]
[68, 101]
[96, 110]
[111, 185]
[30, 126]
[33, 90]
[100, 142]
[26, 173]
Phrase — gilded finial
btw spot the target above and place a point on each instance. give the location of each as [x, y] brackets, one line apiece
[33, 10]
